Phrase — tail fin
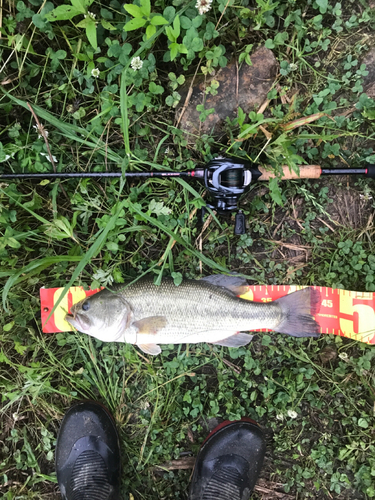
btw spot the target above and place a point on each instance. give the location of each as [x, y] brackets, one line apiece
[299, 308]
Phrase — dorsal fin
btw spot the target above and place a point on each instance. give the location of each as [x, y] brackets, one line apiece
[234, 283]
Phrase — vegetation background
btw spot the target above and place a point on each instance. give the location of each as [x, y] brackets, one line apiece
[91, 86]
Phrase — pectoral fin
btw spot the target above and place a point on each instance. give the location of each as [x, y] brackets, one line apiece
[234, 283]
[236, 340]
[151, 325]
[152, 349]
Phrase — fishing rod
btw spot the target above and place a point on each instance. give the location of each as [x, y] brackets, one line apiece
[226, 179]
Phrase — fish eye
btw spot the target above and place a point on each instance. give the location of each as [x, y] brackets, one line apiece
[86, 306]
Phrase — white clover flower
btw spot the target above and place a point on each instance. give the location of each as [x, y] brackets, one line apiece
[293, 66]
[203, 6]
[365, 196]
[292, 414]
[38, 129]
[343, 355]
[136, 63]
[95, 72]
[280, 416]
[47, 156]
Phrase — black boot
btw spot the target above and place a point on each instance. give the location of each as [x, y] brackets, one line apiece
[88, 462]
[229, 462]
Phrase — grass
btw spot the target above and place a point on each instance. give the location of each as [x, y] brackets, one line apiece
[314, 399]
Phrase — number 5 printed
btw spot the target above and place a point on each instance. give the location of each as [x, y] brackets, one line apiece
[365, 320]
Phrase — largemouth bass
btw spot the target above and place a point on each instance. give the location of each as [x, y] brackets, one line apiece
[207, 310]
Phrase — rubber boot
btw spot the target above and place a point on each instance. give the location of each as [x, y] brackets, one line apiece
[229, 462]
[88, 462]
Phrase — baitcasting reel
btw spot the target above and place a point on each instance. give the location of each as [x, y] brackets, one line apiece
[226, 180]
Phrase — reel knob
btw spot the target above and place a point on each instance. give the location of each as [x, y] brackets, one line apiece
[240, 223]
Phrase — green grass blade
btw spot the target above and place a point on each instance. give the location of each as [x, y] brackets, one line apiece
[209, 262]
[32, 268]
[72, 132]
[197, 195]
[93, 250]
[124, 113]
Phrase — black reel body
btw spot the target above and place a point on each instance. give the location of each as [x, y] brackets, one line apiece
[227, 179]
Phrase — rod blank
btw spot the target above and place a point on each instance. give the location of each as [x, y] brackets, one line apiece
[93, 175]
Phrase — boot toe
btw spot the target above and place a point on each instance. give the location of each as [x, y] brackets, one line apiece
[88, 454]
[229, 463]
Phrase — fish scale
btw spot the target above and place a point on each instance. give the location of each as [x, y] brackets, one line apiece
[191, 309]
[207, 310]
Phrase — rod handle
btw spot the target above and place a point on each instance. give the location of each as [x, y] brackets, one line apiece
[306, 172]
[370, 171]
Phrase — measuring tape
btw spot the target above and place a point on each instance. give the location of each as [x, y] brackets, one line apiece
[342, 312]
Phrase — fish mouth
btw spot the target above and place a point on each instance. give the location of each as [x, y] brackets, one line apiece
[78, 322]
